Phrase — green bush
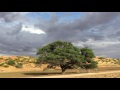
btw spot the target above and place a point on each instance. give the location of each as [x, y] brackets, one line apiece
[11, 62]
[92, 65]
[19, 65]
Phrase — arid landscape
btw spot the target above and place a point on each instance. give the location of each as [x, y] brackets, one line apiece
[59, 45]
[107, 68]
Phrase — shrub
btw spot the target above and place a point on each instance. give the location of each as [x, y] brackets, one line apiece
[101, 57]
[19, 65]
[1, 58]
[11, 62]
[1, 64]
[92, 65]
[5, 65]
[118, 59]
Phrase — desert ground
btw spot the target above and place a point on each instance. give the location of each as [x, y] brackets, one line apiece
[107, 68]
[105, 74]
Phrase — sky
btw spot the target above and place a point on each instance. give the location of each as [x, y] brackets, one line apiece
[22, 33]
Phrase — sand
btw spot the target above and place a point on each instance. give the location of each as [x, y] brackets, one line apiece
[106, 74]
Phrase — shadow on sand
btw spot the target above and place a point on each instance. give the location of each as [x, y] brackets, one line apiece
[53, 72]
[42, 73]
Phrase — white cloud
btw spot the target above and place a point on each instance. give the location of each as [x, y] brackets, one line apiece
[31, 29]
[23, 13]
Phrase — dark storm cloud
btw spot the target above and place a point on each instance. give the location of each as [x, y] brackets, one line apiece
[73, 31]
[109, 51]
[22, 43]
[8, 16]
[15, 30]
[12, 40]
[107, 24]
[26, 44]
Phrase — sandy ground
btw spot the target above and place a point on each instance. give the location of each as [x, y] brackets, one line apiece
[105, 74]
[26, 67]
[112, 72]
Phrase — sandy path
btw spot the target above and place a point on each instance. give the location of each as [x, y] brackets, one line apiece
[81, 75]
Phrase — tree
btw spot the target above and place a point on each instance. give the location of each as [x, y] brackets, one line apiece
[59, 53]
[88, 55]
[63, 54]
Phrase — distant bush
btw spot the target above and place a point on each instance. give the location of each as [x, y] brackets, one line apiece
[107, 60]
[19, 65]
[118, 59]
[101, 58]
[1, 64]
[5, 65]
[115, 62]
[17, 59]
[11, 62]
[114, 59]
[1, 58]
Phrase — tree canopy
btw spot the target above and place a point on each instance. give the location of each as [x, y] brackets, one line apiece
[65, 55]
[88, 55]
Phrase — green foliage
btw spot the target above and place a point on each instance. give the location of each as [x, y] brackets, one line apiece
[87, 53]
[63, 54]
[91, 65]
[11, 62]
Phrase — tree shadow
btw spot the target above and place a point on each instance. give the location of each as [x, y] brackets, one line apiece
[42, 73]
[56, 72]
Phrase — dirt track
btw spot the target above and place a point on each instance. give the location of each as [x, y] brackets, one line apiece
[105, 74]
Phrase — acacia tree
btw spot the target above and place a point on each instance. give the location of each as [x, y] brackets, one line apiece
[62, 54]
[59, 53]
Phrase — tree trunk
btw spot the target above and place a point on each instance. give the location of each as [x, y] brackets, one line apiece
[63, 68]
[87, 71]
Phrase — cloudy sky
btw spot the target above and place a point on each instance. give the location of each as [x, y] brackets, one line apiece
[22, 33]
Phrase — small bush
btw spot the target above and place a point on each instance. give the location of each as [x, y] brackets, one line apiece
[19, 65]
[5, 65]
[1, 58]
[17, 59]
[118, 59]
[115, 63]
[1, 64]
[101, 57]
[11, 62]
